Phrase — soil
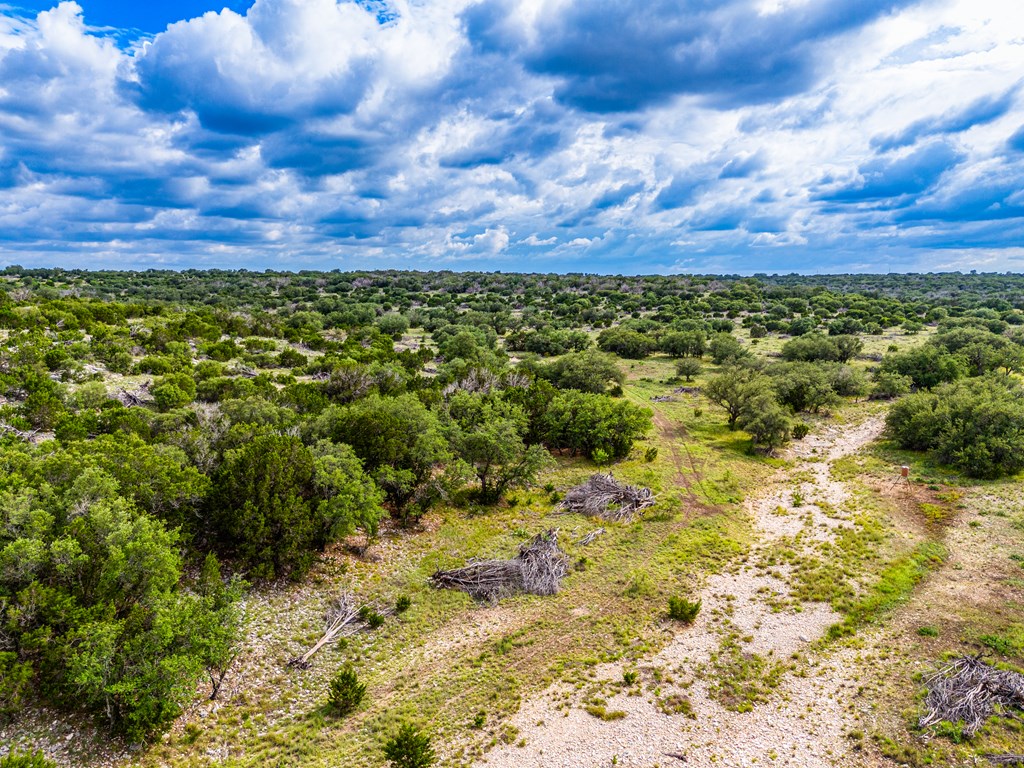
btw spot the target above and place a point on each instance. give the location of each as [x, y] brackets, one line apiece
[805, 720]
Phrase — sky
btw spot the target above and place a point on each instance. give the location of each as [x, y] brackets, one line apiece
[609, 136]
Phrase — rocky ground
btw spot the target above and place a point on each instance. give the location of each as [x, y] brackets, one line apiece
[793, 706]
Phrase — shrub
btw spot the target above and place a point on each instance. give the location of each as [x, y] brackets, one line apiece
[800, 430]
[688, 367]
[683, 610]
[403, 603]
[889, 385]
[346, 692]
[373, 619]
[409, 748]
[651, 454]
[973, 425]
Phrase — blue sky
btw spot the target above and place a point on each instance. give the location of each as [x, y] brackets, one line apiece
[569, 135]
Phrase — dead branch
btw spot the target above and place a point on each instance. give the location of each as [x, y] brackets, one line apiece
[605, 497]
[663, 399]
[538, 569]
[970, 691]
[1006, 759]
[342, 619]
[135, 398]
[587, 540]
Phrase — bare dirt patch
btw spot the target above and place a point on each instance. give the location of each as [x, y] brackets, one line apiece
[722, 691]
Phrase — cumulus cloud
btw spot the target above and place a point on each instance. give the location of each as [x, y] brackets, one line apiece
[599, 135]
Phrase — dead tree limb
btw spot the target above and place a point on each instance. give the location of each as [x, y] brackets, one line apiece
[342, 618]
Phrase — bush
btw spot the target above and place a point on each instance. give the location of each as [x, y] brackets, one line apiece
[403, 604]
[683, 610]
[373, 619]
[890, 385]
[973, 425]
[409, 748]
[800, 430]
[688, 368]
[346, 692]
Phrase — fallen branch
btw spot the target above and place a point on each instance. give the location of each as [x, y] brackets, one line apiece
[605, 497]
[1007, 759]
[538, 569]
[587, 540]
[342, 618]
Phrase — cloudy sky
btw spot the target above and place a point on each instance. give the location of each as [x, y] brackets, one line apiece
[628, 136]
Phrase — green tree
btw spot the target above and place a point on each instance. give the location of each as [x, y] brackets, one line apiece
[767, 422]
[975, 425]
[589, 371]
[264, 505]
[688, 368]
[488, 435]
[400, 442]
[409, 748]
[803, 386]
[734, 388]
[626, 343]
[725, 348]
[587, 423]
[683, 343]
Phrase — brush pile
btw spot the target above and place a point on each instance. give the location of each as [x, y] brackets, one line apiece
[605, 497]
[970, 691]
[538, 569]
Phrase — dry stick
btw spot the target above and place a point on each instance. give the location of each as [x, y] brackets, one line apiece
[587, 540]
[342, 618]
[970, 691]
[1006, 759]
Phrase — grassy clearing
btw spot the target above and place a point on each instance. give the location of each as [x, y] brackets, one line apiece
[460, 669]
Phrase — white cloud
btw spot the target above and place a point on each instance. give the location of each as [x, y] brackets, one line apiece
[307, 130]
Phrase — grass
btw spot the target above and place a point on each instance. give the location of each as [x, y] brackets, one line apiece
[461, 669]
[893, 587]
[420, 662]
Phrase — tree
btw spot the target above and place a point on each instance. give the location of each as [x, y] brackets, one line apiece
[626, 343]
[683, 343]
[587, 423]
[975, 425]
[264, 505]
[766, 421]
[890, 385]
[803, 386]
[216, 621]
[400, 442]
[735, 388]
[688, 368]
[725, 347]
[588, 371]
[927, 366]
[488, 435]
[349, 500]
[409, 748]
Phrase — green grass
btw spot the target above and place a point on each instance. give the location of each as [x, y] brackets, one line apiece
[893, 587]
